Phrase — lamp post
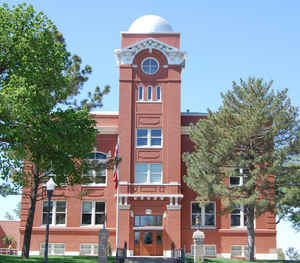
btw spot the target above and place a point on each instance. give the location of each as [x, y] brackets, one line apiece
[50, 188]
[198, 237]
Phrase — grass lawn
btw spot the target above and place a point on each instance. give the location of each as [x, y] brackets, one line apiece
[68, 259]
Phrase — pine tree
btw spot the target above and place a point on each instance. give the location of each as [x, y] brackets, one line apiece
[248, 141]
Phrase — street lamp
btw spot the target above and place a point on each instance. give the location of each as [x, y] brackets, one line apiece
[50, 188]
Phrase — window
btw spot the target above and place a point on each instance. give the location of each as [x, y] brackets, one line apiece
[149, 138]
[239, 251]
[206, 214]
[148, 173]
[148, 221]
[57, 213]
[95, 177]
[209, 250]
[237, 180]
[150, 66]
[89, 249]
[238, 217]
[158, 93]
[93, 213]
[53, 249]
[140, 93]
[149, 93]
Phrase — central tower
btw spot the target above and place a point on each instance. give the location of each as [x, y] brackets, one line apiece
[150, 64]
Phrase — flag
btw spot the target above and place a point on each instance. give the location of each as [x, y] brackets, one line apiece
[116, 164]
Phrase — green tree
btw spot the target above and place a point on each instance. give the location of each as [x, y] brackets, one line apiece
[9, 241]
[249, 140]
[42, 127]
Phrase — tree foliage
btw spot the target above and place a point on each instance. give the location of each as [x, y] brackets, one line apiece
[42, 126]
[254, 131]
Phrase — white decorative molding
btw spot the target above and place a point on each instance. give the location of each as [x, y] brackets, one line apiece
[127, 55]
[148, 211]
[173, 207]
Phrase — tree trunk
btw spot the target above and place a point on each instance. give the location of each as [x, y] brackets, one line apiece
[251, 235]
[29, 221]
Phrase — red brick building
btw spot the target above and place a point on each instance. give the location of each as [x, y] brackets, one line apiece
[156, 207]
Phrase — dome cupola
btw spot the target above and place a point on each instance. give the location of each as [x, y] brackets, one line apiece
[150, 24]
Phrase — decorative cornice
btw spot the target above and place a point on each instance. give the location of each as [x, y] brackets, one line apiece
[127, 55]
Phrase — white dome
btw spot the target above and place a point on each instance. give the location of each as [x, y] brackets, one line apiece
[150, 24]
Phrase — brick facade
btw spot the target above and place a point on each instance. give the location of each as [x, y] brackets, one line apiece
[153, 135]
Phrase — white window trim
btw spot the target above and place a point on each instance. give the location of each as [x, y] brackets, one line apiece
[242, 178]
[156, 88]
[93, 214]
[202, 216]
[150, 74]
[142, 89]
[94, 251]
[54, 213]
[149, 138]
[94, 176]
[151, 93]
[242, 223]
[149, 174]
[51, 250]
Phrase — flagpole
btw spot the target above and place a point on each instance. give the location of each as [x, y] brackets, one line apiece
[117, 207]
[117, 216]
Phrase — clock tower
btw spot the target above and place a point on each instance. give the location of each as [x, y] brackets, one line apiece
[150, 64]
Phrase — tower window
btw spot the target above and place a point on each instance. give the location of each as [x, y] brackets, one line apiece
[141, 93]
[150, 66]
[158, 93]
[149, 94]
[148, 138]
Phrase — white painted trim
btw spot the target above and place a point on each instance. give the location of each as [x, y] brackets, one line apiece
[104, 112]
[169, 184]
[174, 55]
[152, 195]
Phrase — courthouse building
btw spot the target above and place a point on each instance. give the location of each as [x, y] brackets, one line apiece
[157, 210]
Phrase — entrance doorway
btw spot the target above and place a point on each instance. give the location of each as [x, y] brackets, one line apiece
[148, 243]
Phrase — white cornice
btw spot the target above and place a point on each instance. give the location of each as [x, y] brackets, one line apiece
[104, 112]
[127, 55]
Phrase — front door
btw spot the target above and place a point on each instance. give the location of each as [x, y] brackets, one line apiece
[148, 243]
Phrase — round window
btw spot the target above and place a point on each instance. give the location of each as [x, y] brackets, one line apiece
[150, 66]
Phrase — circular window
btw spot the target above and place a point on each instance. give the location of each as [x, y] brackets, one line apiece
[150, 66]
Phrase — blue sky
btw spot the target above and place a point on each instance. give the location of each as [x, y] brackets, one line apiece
[224, 40]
